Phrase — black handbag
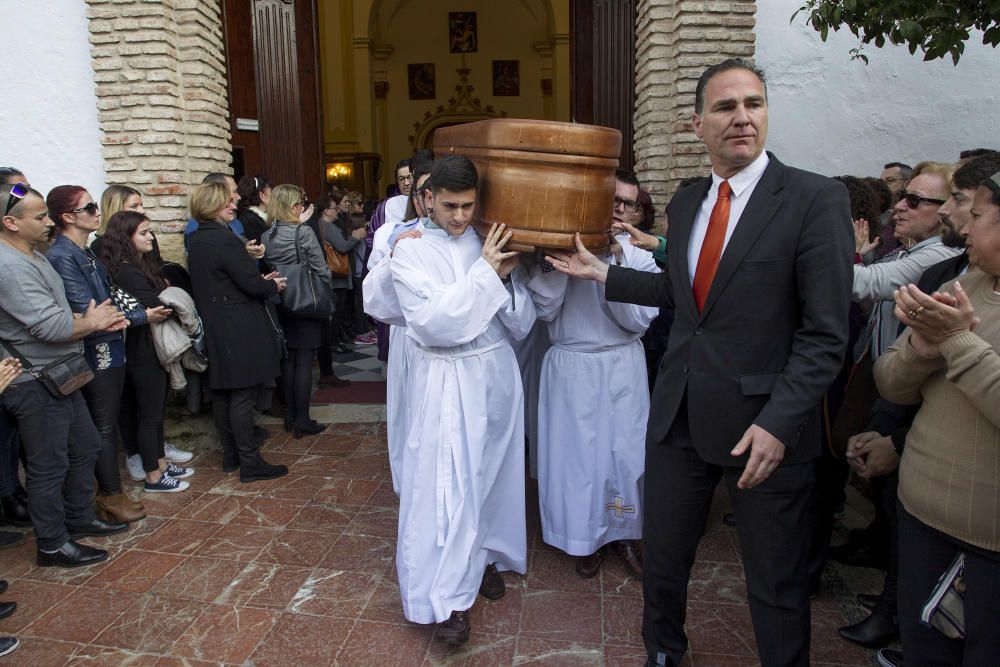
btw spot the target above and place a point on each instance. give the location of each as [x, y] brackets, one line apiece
[305, 293]
[61, 377]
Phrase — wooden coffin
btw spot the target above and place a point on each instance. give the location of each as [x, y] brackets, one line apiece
[545, 180]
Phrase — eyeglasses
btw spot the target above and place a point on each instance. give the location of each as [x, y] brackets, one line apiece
[18, 191]
[893, 179]
[90, 208]
[629, 205]
[404, 179]
[913, 201]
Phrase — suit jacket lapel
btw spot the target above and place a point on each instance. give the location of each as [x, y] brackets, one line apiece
[759, 211]
[685, 212]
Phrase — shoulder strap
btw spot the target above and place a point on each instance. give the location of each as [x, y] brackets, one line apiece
[17, 355]
[298, 228]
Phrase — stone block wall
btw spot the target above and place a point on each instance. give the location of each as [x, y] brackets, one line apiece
[676, 41]
[159, 67]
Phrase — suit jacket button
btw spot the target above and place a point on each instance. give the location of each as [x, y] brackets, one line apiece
[685, 369]
[698, 331]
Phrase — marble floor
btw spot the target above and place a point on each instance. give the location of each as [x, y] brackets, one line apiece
[299, 571]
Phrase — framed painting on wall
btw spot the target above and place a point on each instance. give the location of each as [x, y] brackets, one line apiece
[463, 35]
[421, 81]
[506, 78]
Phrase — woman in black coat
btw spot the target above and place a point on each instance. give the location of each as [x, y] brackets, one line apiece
[244, 341]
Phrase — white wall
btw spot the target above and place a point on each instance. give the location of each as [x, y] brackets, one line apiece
[832, 115]
[48, 115]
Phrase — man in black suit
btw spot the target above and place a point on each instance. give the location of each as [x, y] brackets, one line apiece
[759, 274]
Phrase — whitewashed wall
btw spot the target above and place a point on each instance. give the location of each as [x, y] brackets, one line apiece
[837, 116]
[48, 115]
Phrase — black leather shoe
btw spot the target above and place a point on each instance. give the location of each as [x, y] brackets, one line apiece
[8, 645]
[9, 540]
[3, 586]
[97, 528]
[867, 600]
[493, 586]
[876, 631]
[455, 630]
[15, 511]
[7, 608]
[261, 471]
[72, 554]
[589, 566]
[630, 553]
[729, 518]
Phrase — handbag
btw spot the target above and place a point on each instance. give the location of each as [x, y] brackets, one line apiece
[336, 260]
[61, 377]
[124, 301]
[945, 608]
[305, 293]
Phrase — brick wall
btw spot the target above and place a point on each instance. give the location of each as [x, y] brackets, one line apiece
[676, 41]
[159, 66]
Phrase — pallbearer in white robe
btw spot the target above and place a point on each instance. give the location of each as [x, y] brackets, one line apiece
[593, 405]
[462, 487]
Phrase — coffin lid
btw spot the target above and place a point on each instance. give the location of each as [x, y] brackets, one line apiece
[537, 136]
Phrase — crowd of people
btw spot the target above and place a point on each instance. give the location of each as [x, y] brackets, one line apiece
[782, 331]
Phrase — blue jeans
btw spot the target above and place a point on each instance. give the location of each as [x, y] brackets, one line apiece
[61, 445]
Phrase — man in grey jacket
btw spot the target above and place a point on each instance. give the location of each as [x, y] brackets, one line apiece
[59, 438]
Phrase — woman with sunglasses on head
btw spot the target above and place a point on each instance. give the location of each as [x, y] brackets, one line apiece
[244, 343]
[127, 244]
[76, 216]
[255, 194]
[288, 243]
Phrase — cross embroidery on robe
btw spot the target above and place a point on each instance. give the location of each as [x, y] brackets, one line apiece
[619, 508]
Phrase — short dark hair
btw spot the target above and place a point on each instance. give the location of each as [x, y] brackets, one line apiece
[454, 173]
[627, 177]
[216, 177]
[971, 175]
[422, 154]
[975, 152]
[405, 162]
[905, 170]
[6, 173]
[419, 167]
[719, 68]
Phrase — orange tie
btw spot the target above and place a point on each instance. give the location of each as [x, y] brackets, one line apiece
[711, 247]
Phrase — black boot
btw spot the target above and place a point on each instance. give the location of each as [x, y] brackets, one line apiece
[261, 470]
[15, 511]
[876, 631]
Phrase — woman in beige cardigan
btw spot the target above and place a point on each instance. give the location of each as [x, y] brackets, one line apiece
[949, 479]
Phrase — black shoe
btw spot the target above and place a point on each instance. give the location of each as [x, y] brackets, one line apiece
[97, 528]
[261, 471]
[72, 554]
[876, 631]
[15, 511]
[455, 630]
[9, 540]
[887, 657]
[867, 600]
[630, 553]
[3, 586]
[288, 426]
[493, 586]
[310, 429]
[7, 608]
[588, 566]
[230, 466]
[857, 555]
[8, 645]
[729, 518]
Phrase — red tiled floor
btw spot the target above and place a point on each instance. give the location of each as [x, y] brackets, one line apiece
[300, 571]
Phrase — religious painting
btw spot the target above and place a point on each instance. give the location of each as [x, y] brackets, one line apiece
[463, 36]
[421, 78]
[506, 78]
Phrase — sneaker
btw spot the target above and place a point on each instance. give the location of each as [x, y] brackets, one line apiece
[366, 338]
[166, 484]
[889, 657]
[8, 645]
[177, 472]
[176, 455]
[135, 469]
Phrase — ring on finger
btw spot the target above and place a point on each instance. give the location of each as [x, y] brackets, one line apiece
[919, 310]
[912, 314]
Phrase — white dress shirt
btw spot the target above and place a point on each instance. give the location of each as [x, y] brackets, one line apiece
[742, 184]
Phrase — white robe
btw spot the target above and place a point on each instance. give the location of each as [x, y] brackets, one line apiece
[592, 411]
[462, 486]
[380, 302]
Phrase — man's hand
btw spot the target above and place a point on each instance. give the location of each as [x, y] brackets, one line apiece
[104, 317]
[581, 264]
[872, 454]
[493, 252]
[408, 234]
[10, 368]
[766, 453]
[255, 249]
[638, 238]
[158, 314]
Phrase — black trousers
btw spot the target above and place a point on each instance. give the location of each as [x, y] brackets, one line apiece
[340, 317]
[10, 449]
[924, 555]
[61, 446]
[296, 380]
[325, 351]
[144, 407]
[233, 413]
[103, 395]
[773, 524]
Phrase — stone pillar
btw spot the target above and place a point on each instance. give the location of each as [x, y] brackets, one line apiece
[675, 41]
[160, 71]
